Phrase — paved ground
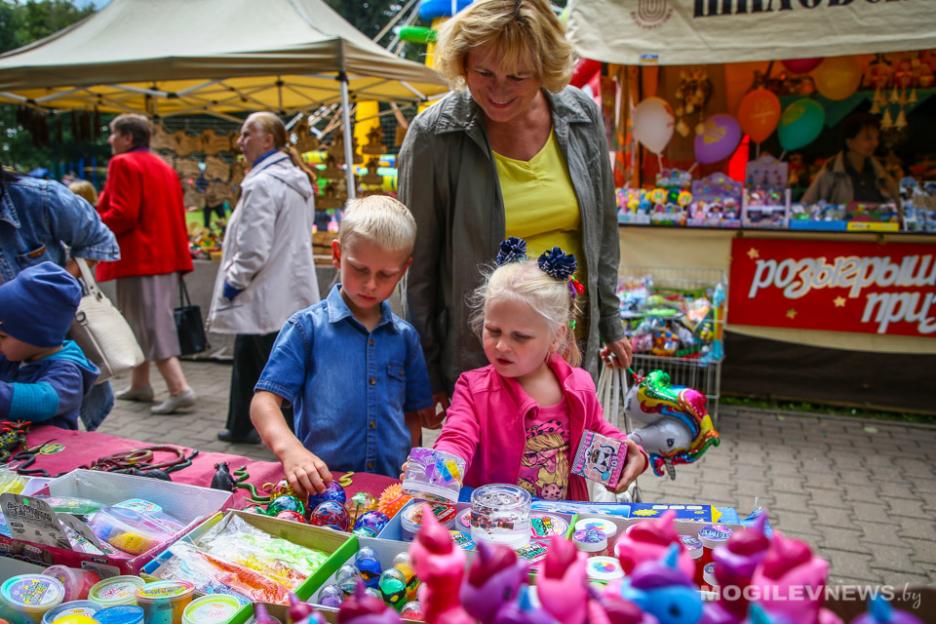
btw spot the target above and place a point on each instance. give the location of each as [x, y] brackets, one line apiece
[862, 492]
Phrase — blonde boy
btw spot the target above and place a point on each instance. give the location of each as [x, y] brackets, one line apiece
[350, 367]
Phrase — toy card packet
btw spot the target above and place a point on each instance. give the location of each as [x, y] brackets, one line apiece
[600, 458]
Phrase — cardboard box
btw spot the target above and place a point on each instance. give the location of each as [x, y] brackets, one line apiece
[38, 534]
[338, 545]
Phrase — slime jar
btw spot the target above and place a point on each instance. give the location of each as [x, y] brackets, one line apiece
[712, 537]
[433, 475]
[213, 609]
[32, 594]
[164, 601]
[75, 607]
[411, 518]
[77, 581]
[121, 614]
[599, 524]
[695, 549]
[593, 542]
[546, 525]
[500, 514]
[603, 569]
[116, 591]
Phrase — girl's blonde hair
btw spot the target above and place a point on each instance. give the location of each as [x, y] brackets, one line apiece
[520, 30]
[274, 126]
[524, 281]
[85, 190]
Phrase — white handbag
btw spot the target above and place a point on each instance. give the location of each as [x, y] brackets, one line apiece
[101, 330]
[612, 389]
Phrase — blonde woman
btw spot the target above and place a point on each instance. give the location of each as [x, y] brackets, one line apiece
[513, 151]
[266, 271]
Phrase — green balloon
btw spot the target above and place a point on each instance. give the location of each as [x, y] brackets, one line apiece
[801, 123]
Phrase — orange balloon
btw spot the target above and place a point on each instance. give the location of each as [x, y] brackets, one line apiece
[759, 114]
[837, 77]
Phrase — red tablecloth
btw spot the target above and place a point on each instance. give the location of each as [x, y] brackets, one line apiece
[84, 447]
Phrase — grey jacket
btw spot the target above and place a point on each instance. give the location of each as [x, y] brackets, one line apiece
[267, 252]
[448, 179]
[834, 185]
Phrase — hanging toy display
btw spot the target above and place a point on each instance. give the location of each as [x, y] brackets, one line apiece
[692, 95]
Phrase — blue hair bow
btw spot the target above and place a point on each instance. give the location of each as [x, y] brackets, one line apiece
[557, 264]
[511, 250]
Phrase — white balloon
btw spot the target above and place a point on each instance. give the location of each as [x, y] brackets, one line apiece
[653, 123]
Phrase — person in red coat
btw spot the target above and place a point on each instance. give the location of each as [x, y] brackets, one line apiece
[142, 204]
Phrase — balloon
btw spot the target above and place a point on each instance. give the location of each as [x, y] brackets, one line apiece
[801, 123]
[718, 140]
[653, 124]
[838, 77]
[759, 114]
[801, 66]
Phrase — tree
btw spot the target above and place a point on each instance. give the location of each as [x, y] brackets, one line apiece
[22, 23]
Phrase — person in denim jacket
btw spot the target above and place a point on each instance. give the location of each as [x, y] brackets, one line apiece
[353, 371]
[44, 221]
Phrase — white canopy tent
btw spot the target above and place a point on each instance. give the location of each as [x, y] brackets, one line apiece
[689, 32]
[216, 57]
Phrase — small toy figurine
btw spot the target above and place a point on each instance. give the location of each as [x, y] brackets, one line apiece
[648, 540]
[402, 563]
[370, 523]
[736, 562]
[412, 610]
[331, 514]
[441, 567]
[790, 581]
[330, 596]
[347, 578]
[363, 608]
[368, 565]
[392, 586]
[663, 590]
[610, 607]
[561, 584]
[880, 612]
[493, 581]
[222, 479]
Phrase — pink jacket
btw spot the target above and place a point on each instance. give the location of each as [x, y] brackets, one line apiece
[485, 422]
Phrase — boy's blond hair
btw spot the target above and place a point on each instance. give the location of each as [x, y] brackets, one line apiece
[381, 219]
[85, 190]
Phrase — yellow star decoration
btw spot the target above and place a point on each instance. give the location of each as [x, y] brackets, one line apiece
[791, 314]
[840, 302]
[753, 254]
[645, 512]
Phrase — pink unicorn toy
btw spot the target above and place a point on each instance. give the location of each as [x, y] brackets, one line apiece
[562, 584]
[440, 565]
[790, 582]
[735, 565]
[649, 540]
[493, 582]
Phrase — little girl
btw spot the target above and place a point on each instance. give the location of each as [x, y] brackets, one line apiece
[519, 420]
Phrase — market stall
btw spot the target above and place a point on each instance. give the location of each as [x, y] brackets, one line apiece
[710, 159]
[108, 546]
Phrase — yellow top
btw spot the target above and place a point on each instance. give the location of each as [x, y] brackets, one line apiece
[540, 204]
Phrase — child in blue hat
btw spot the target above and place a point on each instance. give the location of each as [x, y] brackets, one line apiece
[43, 377]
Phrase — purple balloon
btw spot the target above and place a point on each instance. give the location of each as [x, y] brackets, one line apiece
[720, 136]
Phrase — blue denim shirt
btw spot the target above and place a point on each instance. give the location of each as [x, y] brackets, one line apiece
[349, 387]
[42, 220]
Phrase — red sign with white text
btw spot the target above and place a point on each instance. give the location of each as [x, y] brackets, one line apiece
[832, 285]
